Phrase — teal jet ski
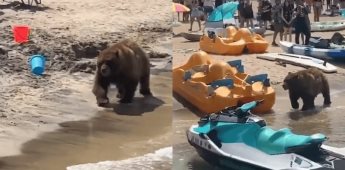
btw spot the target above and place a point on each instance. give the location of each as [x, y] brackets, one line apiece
[234, 138]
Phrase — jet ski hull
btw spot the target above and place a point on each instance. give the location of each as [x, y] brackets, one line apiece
[223, 161]
[206, 150]
[234, 138]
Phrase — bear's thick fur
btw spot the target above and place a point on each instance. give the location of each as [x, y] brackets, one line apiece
[307, 84]
[124, 64]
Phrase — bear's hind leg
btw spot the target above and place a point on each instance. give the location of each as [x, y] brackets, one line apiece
[120, 91]
[326, 97]
[145, 85]
[308, 102]
[129, 92]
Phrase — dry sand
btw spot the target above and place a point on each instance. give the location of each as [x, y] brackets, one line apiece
[69, 33]
[89, 19]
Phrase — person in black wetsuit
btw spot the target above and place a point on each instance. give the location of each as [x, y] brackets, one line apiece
[301, 22]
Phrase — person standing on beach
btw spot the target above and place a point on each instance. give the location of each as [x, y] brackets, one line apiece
[187, 3]
[277, 22]
[342, 3]
[201, 3]
[309, 4]
[241, 13]
[178, 14]
[258, 18]
[266, 12]
[301, 22]
[288, 7]
[317, 6]
[195, 14]
[248, 13]
[208, 7]
[328, 4]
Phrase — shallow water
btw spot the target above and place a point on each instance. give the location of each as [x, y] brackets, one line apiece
[329, 121]
[160, 160]
[124, 132]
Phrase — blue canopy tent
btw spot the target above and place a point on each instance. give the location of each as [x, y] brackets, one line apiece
[221, 13]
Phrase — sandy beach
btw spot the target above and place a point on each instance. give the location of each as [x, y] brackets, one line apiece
[44, 117]
[182, 50]
[327, 121]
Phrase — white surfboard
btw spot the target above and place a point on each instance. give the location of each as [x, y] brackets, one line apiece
[299, 60]
[327, 26]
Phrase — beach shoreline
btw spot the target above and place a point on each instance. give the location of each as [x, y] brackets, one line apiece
[70, 34]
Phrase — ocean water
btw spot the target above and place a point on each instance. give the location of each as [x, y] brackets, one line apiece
[158, 160]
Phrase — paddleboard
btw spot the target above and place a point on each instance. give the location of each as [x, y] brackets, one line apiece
[327, 26]
[194, 37]
[320, 53]
[300, 60]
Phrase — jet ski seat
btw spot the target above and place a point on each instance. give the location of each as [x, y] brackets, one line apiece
[277, 142]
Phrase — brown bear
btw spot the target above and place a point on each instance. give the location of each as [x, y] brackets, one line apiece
[124, 64]
[307, 84]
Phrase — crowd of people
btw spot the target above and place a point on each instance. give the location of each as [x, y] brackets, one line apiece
[282, 15]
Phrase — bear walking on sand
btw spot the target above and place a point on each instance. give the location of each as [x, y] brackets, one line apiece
[124, 64]
[307, 84]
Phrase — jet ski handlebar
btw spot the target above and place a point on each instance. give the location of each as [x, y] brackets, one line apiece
[244, 110]
[235, 114]
[241, 111]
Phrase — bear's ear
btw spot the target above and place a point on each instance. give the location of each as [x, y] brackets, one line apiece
[129, 51]
[116, 54]
[300, 76]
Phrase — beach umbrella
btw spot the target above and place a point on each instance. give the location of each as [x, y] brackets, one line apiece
[225, 11]
[176, 7]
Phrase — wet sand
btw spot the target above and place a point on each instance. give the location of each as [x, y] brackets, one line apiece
[127, 131]
[329, 121]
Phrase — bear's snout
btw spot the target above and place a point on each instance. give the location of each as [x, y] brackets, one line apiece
[105, 70]
[285, 86]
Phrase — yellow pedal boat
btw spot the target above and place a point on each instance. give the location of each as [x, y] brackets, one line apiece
[233, 42]
[222, 46]
[255, 43]
[213, 85]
